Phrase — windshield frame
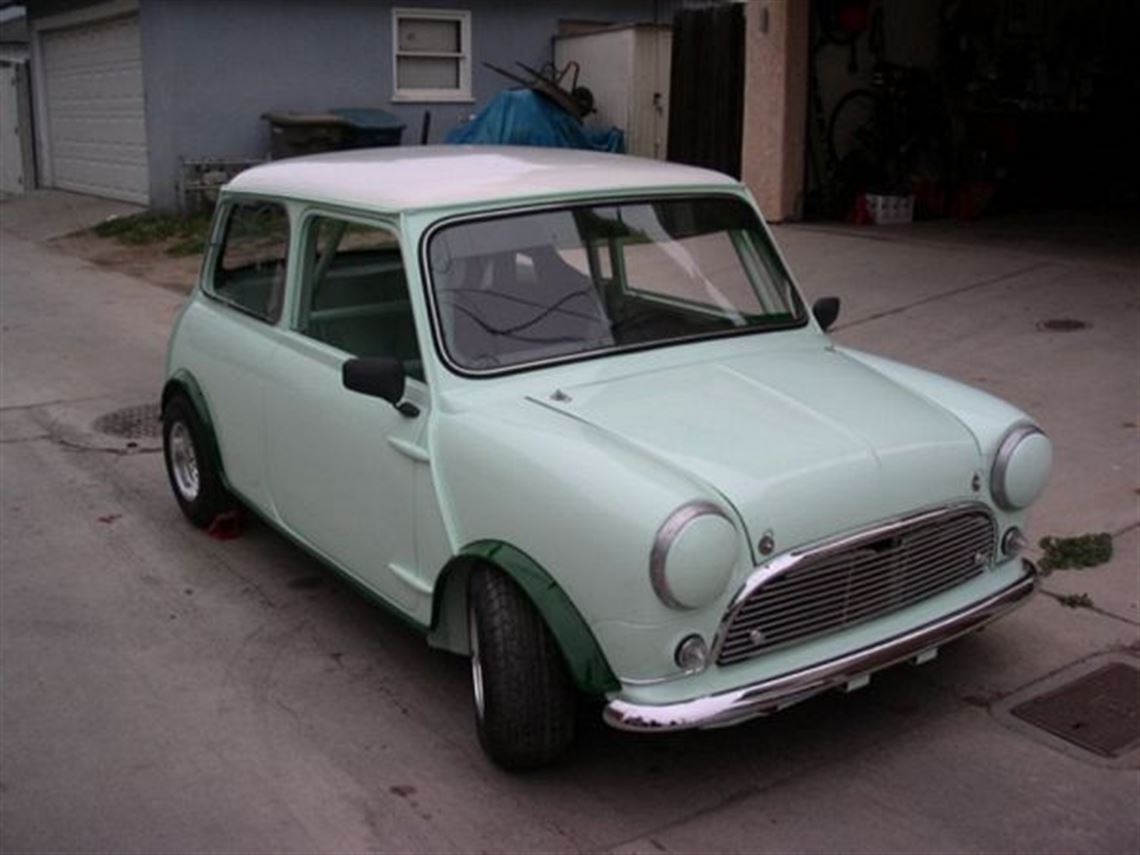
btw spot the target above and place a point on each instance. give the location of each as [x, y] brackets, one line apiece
[800, 320]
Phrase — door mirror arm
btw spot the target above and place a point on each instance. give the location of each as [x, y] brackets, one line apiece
[408, 409]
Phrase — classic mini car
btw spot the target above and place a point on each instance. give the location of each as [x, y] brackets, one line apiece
[568, 414]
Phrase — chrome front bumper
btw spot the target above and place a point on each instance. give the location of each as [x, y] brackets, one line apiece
[767, 696]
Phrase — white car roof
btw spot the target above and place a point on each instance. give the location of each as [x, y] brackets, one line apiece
[408, 178]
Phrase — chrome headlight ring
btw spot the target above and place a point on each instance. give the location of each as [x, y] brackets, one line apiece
[667, 535]
[1007, 456]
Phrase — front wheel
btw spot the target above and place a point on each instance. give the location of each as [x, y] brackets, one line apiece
[524, 699]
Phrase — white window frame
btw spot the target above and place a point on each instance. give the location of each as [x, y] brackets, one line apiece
[461, 95]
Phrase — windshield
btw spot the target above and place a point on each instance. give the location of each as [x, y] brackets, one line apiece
[553, 284]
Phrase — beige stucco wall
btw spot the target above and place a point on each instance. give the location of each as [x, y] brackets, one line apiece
[775, 104]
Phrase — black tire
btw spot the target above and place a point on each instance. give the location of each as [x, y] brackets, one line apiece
[181, 426]
[524, 698]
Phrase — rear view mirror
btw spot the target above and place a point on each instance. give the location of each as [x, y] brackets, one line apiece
[377, 376]
[825, 310]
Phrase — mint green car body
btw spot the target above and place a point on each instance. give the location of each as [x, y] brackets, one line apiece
[562, 475]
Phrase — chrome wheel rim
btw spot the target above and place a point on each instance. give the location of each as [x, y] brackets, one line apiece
[184, 461]
[476, 662]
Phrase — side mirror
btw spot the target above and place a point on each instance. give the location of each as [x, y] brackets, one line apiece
[825, 310]
[378, 376]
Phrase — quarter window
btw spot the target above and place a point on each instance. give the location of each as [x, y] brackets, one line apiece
[431, 55]
[354, 295]
[250, 271]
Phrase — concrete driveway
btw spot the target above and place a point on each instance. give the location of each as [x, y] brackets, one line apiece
[163, 691]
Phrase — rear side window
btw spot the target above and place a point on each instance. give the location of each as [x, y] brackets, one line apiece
[250, 271]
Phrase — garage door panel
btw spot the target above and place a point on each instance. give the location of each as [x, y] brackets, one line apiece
[114, 181]
[106, 132]
[88, 45]
[113, 155]
[111, 87]
[96, 110]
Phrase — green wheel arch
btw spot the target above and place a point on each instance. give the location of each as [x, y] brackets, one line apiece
[183, 382]
[588, 666]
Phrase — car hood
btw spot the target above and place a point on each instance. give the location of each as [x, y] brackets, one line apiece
[803, 444]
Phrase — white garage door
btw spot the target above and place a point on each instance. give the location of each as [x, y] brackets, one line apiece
[94, 98]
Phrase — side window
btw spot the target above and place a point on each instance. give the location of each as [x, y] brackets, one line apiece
[250, 271]
[353, 292]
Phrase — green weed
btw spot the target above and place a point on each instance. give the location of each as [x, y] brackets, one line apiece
[1071, 553]
[185, 235]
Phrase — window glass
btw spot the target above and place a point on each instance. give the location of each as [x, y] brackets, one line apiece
[426, 72]
[551, 284]
[250, 272]
[425, 35]
[354, 295]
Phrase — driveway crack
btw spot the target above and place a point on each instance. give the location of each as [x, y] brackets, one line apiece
[21, 439]
[12, 408]
[1060, 598]
[934, 298]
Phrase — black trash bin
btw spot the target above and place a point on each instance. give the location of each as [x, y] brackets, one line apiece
[368, 127]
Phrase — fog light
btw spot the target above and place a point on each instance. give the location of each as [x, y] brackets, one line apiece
[1013, 542]
[692, 653]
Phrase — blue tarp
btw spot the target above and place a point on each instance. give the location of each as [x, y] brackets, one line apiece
[523, 117]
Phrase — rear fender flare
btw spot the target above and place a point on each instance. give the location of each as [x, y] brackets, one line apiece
[183, 382]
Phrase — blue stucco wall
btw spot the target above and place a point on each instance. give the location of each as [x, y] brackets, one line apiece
[212, 67]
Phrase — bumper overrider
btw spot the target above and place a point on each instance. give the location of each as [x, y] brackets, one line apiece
[766, 696]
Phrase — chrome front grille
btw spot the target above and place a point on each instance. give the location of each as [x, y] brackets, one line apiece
[862, 577]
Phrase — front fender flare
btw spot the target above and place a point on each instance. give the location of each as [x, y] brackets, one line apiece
[588, 666]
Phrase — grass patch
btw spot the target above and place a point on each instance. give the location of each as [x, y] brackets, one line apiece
[181, 235]
[1076, 553]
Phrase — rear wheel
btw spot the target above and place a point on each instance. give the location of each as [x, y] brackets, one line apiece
[193, 474]
[524, 699]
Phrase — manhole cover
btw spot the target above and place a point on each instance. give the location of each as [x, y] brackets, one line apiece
[132, 422]
[1061, 325]
[1100, 712]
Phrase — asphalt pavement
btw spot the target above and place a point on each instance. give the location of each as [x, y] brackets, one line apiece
[163, 691]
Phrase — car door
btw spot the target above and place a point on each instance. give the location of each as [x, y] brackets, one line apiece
[342, 465]
[245, 285]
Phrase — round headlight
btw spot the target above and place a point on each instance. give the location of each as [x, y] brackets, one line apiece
[1021, 467]
[693, 556]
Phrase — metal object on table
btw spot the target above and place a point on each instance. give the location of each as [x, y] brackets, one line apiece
[576, 100]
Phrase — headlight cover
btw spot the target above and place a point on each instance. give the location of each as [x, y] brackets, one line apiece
[1021, 467]
[693, 556]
